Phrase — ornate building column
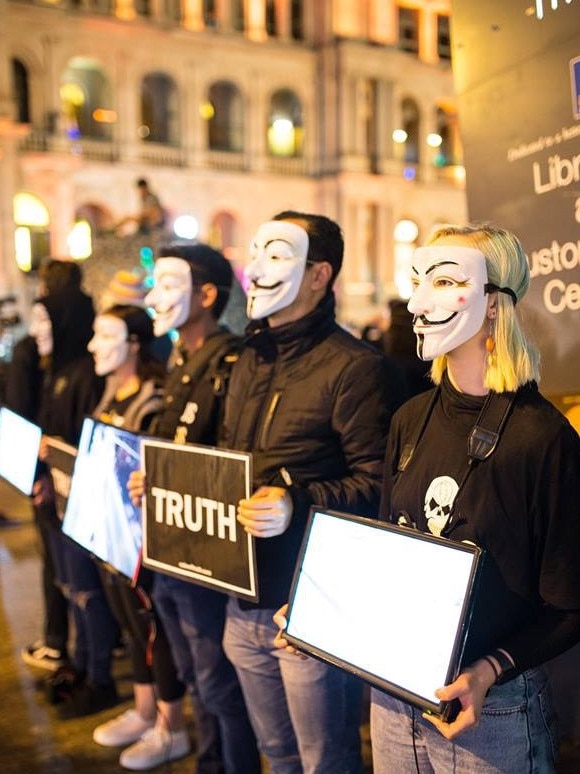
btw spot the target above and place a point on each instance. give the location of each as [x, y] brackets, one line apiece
[255, 13]
[125, 10]
[193, 14]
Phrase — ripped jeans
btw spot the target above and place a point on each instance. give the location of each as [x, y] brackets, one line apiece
[96, 630]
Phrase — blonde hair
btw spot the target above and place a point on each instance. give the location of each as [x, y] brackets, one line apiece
[516, 360]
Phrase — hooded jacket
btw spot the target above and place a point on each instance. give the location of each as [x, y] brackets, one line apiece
[70, 389]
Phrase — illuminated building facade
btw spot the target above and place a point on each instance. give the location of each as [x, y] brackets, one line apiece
[232, 110]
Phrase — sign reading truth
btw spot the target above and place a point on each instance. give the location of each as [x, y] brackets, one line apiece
[190, 528]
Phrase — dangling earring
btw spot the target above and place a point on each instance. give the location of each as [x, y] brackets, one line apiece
[490, 346]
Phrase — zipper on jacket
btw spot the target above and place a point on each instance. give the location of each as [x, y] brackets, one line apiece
[274, 401]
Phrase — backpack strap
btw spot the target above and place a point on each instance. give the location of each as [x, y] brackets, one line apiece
[210, 366]
[487, 430]
[485, 436]
[409, 448]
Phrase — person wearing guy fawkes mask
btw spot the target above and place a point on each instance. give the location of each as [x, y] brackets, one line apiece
[312, 404]
[61, 324]
[519, 503]
[191, 288]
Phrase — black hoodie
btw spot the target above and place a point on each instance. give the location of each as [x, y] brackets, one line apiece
[71, 388]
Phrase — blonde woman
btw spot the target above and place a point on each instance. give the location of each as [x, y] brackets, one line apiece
[520, 505]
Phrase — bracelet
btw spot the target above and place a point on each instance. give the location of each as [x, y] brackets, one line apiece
[491, 662]
[508, 668]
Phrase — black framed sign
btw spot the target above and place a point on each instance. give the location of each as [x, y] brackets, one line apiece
[389, 604]
[190, 528]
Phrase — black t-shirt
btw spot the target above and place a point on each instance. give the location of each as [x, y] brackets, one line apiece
[520, 505]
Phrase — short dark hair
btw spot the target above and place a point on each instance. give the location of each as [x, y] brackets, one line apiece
[207, 265]
[325, 240]
[142, 183]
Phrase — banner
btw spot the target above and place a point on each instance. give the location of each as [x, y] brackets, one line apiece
[60, 458]
[517, 78]
[190, 528]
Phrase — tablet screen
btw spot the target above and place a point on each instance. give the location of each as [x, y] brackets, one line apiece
[19, 447]
[99, 515]
[387, 603]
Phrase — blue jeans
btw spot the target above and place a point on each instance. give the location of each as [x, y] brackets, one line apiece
[516, 734]
[96, 630]
[306, 714]
[194, 618]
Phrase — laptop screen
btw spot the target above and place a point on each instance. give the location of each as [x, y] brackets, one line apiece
[387, 603]
[99, 515]
[19, 447]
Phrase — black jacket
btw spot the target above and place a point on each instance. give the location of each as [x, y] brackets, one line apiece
[313, 404]
[194, 390]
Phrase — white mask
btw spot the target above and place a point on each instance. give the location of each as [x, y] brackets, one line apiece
[41, 329]
[170, 296]
[109, 345]
[278, 259]
[449, 302]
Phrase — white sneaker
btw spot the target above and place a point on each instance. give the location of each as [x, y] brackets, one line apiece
[40, 655]
[122, 730]
[155, 747]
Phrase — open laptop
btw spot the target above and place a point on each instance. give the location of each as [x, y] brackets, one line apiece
[389, 604]
[19, 448]
[99, 514]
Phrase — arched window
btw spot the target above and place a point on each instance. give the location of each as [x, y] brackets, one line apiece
[446, 154]
[271, 26]
[223, 232]
[285, 130]
[297, 20]
[142, 7]
[209, 13]
[173, 10]
[159, 111]
[31, 235]
[226, 117]
[97, 216]
[410, 121]
[408, 29]
[238, 21]
[86, 101]
[20, 91]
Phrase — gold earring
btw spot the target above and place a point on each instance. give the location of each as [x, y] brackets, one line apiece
[490, 345]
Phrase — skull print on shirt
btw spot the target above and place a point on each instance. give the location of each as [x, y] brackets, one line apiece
[439, 500]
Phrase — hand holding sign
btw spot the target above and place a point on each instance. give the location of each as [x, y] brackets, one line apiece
[136, 487]
[267, 512]
[43, 490]
[280, 640]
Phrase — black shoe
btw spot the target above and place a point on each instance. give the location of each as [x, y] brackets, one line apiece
[63, 682]
[87, 699]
